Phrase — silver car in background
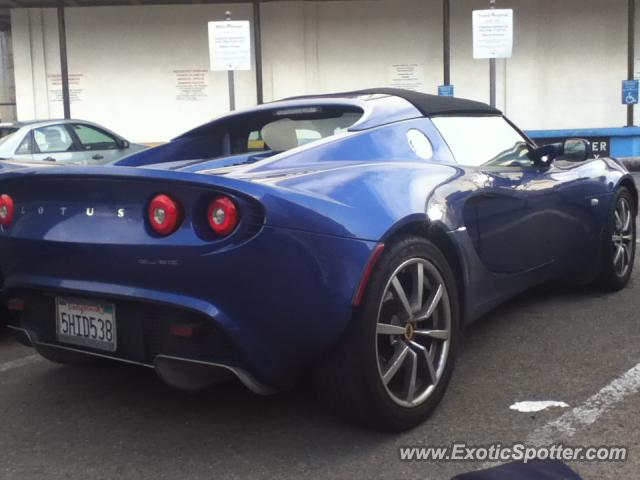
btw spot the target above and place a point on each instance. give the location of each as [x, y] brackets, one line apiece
[63, 141]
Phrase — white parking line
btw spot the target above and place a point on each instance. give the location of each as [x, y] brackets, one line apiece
[529, 406]
[566, 425]
[20, 362]
[586, 414]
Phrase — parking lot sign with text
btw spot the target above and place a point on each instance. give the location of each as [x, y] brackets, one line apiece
[230, 45]
[492, 33]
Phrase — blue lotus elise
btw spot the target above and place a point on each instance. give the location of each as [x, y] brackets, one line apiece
[347, 237]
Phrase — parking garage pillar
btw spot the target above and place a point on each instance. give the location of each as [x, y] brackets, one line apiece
[492, 70]
[257, 47]
[631, 31]
[446, 40]
[64, 68]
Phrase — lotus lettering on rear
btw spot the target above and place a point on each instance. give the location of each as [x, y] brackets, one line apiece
[62, 211]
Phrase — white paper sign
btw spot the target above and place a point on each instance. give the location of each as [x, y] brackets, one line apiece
[76, 87]
[191, 84]
[492, 33]
[230, 45]
[409, 76]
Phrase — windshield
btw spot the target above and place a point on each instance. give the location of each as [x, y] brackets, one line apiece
[6, 131]
[3, 141]
[5, 136]
[484, 141]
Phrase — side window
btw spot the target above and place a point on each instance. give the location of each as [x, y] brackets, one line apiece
[255, 142]
[484, 141]
[53, 139]
[25, 146]
[94, 139]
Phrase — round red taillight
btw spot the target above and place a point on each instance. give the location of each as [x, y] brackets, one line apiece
[222, 215]
[6, 210]
[165, 214]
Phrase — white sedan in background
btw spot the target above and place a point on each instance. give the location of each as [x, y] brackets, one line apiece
[63, 141]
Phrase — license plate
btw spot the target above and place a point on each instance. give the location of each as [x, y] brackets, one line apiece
[89, 323]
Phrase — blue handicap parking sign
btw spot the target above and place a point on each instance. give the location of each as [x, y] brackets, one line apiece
[445, 90]
[630, 90]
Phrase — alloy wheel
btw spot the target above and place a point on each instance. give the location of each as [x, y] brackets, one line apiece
[413, 332]
[623, 237]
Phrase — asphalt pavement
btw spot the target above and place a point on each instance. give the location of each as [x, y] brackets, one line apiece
[111, 421]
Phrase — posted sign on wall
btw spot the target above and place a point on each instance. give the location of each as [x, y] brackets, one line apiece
[409, 76]
[230, 45]
[492, 33]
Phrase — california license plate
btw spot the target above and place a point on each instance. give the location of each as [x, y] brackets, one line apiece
[88, 323]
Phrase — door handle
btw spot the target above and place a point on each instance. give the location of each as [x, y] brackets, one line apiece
[49, 159]
[97, 156]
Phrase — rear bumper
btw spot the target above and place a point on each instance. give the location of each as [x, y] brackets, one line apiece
[180, 372]
[266, 307]
[144, 330]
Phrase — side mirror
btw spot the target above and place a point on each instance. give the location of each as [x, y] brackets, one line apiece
[122, 143]
[576, 150]
[572, 150]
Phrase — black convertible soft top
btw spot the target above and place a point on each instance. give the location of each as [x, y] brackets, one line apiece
[428, 105]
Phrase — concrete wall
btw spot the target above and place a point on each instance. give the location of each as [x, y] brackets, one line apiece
[122, 63]
[569, 59]
[7, 86]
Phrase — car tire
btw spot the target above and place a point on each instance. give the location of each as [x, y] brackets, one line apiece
[63, 357]
[373, 373]
[619, 243]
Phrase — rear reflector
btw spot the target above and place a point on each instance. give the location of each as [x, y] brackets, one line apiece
[222, 215]
[15, 305]
[6, 210]
[368, 271]
[181, 330]
[165, 214]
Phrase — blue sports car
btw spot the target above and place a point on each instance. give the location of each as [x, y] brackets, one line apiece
[347, 237]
